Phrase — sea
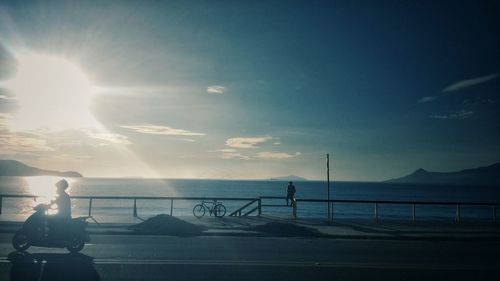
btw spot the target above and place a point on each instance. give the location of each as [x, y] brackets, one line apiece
[122, 209]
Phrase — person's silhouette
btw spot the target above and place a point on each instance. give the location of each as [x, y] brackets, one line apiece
[290, 193]
[62, 200]
[59, 221]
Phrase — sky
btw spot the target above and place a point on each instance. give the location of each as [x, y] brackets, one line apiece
[250, 89]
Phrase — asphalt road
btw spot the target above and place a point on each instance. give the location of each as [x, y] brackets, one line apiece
[114, 257]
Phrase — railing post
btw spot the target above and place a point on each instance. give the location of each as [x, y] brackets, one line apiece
[331, 216]
[413, 212]
[376, 212]
[135, 207]
[494, 214]
[90, 207]
[1, 200]
[457, 215]
[260, 206]
[171, 206]
[294, 211]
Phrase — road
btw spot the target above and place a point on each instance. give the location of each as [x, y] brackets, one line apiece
[129, 257]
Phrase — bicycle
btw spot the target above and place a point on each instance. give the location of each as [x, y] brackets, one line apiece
[213, 207]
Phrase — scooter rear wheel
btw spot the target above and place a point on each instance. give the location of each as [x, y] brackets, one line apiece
[20, 241]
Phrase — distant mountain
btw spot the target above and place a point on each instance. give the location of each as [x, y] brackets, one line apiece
[16, 168]
[489, 175]
[288, 178]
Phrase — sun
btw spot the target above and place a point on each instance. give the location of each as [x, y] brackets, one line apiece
[52, 92]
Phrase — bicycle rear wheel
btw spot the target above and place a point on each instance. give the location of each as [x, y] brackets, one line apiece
[219, 210]
[199, 210]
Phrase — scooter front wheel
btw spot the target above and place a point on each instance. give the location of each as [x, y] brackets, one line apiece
[20, 241]
[76, 245]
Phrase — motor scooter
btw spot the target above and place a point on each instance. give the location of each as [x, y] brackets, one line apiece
[38, 230]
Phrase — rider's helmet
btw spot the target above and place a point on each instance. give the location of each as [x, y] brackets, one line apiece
[62, 184]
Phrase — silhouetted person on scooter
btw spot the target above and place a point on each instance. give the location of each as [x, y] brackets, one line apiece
[59, 221]
[53, 231]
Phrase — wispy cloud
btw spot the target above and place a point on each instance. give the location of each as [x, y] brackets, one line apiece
[3, 117]
[461, 114]
[215, 89]
[470, 82]
[227, 150]
[160, 130]
[246, 142]
[230, 153]
[110, 137]
[461, 85]
[276, 155]
[427, 99]
[234, 155]
[12, 143]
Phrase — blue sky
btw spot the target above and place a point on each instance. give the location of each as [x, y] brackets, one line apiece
[257, 89]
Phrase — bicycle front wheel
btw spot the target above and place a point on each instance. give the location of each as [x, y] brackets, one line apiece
[219, 210]
[199, 210]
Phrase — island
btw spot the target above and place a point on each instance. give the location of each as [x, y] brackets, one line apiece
[489, 175]
[15, 168]
[288, 178]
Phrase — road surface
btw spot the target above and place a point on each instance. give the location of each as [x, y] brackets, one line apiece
[142, 257]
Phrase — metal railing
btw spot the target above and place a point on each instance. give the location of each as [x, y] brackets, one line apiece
[376, 203]
[258, 208]
[135, 199]
[260, 204]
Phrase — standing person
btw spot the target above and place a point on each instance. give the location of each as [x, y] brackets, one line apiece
[290, 193]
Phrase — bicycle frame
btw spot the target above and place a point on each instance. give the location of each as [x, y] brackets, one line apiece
[210, 205]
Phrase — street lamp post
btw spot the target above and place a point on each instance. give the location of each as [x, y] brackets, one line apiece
[328, 183]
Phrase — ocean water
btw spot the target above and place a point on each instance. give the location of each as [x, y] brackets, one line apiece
[44, 186]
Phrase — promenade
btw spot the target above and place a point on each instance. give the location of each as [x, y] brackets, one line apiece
[348, 229]
[254, 248]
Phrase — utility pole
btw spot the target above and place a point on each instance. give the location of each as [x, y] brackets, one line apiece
[328, 183]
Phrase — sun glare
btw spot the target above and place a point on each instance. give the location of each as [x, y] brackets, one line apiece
[44, 187]
[52, 92]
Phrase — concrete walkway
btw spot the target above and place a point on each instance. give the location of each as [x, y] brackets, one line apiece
[340, 229]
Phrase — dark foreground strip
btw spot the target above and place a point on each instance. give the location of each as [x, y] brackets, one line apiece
[284, 264]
